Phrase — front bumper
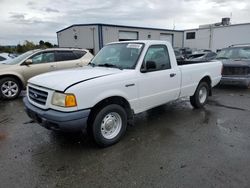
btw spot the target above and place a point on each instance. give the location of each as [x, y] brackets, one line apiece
[239, 81]
[55, 120]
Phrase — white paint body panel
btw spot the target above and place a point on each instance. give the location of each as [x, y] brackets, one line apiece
[92, 85]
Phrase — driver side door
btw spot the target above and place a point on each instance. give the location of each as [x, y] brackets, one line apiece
[161, 84]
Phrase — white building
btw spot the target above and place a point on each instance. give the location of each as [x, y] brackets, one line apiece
[213, 36]
[95, 36]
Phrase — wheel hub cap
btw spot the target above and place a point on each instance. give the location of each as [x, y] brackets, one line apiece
[9, 89]
[111, 125]
[202, 95]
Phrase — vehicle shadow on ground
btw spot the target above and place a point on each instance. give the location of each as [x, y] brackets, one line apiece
[72, 140]
[232, 88]
[157, 121]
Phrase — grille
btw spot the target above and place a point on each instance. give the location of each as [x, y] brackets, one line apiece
[38, 96]
[235, 71]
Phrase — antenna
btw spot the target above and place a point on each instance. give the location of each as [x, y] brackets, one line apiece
[174, 24]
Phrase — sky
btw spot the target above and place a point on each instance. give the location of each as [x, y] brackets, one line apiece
[35, 20]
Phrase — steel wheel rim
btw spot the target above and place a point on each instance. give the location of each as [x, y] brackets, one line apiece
[111, 125]
[9, 89]
[202, 95]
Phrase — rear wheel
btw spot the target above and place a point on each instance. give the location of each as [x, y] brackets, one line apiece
[109, 125]
[199, 99]
[10, 88]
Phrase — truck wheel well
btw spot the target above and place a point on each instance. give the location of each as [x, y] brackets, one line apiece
[15, 77]
[207, 79]
[111, 100]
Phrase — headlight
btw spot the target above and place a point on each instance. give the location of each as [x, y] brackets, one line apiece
[64, 99]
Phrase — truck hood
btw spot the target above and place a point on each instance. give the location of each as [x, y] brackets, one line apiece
[236, 63]
[61, 80]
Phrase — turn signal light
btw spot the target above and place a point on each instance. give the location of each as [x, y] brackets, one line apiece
[70, 100]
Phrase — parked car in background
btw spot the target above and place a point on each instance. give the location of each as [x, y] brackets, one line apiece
[15, 73]
[236, 65]
[178, 55]
[201, 51]
[185, 52]
[6, 56]
[205, 56]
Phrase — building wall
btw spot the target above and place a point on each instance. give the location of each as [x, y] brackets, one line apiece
[111, 34]
[201, 40]
[87, 37]
[226, 36]
[218, 37]
[206, 38]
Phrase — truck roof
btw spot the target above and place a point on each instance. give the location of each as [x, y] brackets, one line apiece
[148, 42]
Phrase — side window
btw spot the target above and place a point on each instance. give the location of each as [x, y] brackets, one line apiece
[65, 55]
[79, 53]
[190, 35]
[2, 58]
[159, 55]
[36, 59]
[43, 57]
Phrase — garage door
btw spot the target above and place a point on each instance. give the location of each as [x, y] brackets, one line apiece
[128, 35]
[167, 37]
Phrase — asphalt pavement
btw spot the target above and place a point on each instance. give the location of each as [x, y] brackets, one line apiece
[172, 145]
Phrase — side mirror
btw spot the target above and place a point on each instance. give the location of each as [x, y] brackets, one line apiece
[150, 66]
[27, 62]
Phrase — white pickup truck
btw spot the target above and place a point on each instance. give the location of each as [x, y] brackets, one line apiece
[124, 79]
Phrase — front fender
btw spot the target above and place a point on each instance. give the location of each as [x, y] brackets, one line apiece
[16, 75]
[108, 94]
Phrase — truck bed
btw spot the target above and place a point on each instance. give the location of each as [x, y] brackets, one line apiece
[188, 62]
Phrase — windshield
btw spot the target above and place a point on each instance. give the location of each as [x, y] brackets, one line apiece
[122, 55]
[234, 53]
[19, 58]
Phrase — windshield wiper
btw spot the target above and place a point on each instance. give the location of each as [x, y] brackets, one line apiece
[109, 65]
[240, 59]
[222, 58]
[92, 64]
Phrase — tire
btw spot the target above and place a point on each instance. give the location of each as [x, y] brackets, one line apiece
[199, 99]
[10, 88]
[247, 86]
[109, 125]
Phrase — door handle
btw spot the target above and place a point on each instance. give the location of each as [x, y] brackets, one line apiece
[52, 66]
[172, 75]
[129, 85]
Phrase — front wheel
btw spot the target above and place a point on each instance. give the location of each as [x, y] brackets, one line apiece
[10, 88]
[109, 125]
[199, 99]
